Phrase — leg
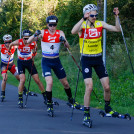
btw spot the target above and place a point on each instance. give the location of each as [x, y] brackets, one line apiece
[106, 87]
[38, 82]
[107, 96]
[21, 87]
[3, 86]
[88, 90]
[4, 80]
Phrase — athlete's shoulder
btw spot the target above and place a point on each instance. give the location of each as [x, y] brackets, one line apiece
[98, 23]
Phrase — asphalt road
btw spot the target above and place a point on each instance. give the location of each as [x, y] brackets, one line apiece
[34, 119]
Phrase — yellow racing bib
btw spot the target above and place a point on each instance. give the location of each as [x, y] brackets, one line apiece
[93, 36]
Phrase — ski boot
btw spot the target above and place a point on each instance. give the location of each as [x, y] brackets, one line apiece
[109, 111]
[2, 96]
[20, 101]
[87, 121]
[50, 109]
[72, 103]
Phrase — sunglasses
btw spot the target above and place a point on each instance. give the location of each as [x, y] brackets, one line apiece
[91, 15]
[25, 38]
[50, 25]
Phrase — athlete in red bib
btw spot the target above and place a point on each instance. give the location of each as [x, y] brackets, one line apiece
[50, 43]
[25, 53]
[7, 63]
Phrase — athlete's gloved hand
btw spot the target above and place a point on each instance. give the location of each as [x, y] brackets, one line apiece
[34, 54]
[38, 32]
[62, 39]
[116, 11]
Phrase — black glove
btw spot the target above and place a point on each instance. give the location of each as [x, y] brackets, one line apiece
[84, 18]
[38, 32]
[62, 39]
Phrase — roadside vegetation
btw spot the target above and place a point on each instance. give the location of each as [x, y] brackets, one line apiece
[69, 12]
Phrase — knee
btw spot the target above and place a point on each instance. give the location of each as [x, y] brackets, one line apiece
[22, 80]
[49, 83]
[107, 88]
[65, 84]
[4, 79]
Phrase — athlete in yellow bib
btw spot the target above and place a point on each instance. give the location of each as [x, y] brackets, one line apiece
[91, 55]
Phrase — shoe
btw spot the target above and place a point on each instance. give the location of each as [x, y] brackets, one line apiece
[50, 109]
[20, 101]
[2, 96]
[74, 103]
[110, 111]
[86, 118]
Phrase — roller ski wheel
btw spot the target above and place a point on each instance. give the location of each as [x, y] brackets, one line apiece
[20, 104]
[50, 113]
[50, 109]
[88, 123]
[55, 103]
[115, 115]
[2, 98]
[78, 107]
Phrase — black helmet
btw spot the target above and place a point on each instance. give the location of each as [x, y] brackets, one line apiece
[26, 33]
[52, 18]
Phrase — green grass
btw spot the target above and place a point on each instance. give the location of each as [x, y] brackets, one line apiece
[121, 81]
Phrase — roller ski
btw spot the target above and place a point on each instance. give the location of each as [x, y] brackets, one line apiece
[2, 96]
[50, 109]
[74, 104]
[115, 115]
[87, 121]
[25, 92]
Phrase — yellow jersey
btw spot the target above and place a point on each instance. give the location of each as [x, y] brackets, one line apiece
[92, 43]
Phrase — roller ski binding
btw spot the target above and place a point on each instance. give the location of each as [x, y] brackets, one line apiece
[115, 115]
[74, 104]
[87, 121]
[2, 96]
[50, 109]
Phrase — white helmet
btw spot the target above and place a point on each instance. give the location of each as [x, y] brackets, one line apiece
[7, 37]
[89, 8]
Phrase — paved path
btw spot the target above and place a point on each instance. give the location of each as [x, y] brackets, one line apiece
[34, 119]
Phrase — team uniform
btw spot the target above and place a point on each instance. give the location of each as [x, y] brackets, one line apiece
[92, 50]
[25, 58]
[5, 60]
[50, 54]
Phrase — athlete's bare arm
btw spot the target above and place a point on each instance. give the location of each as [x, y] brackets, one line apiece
[115, 28]
[14, 43]
[0, 47]
[66, 44]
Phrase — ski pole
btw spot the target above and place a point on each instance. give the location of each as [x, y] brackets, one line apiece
[125, 44]
[74, 59]
[29, 82]
[78, 71]
[81, 72]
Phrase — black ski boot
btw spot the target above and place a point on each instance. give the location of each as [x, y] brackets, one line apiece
[87, 121]
[20, 101]
[110, 111]
[50, 109]
[45, 98]
[72, 102]
[2, 96]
